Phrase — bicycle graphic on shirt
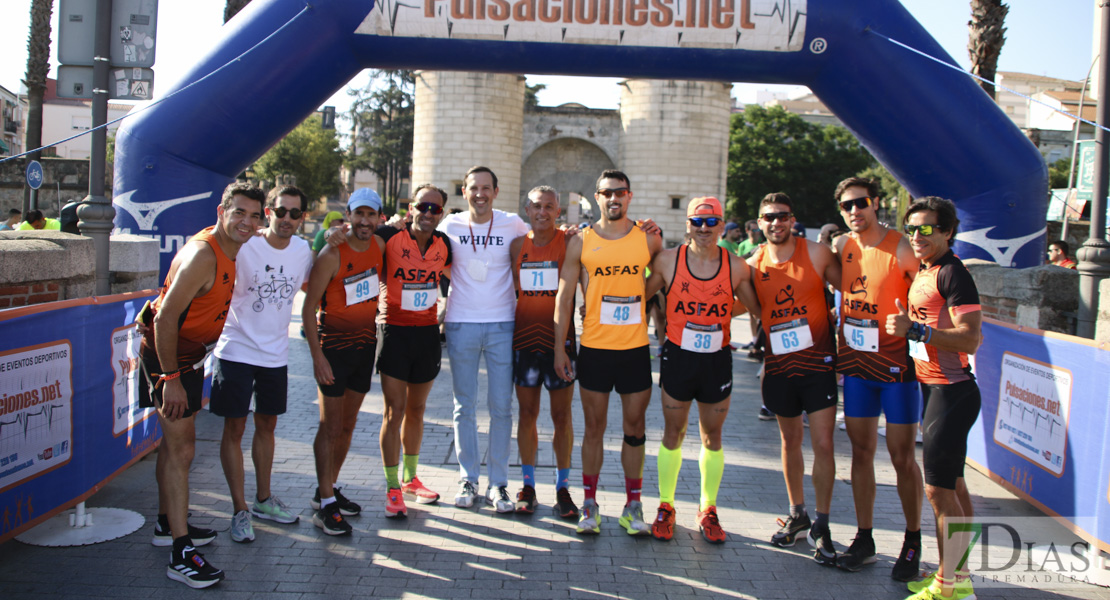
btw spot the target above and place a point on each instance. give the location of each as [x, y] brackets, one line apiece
[277, 291]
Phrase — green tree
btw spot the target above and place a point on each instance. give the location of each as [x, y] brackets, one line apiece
[232, 8]
[1058, 173]
[309, 153]
[38, 66]
[531, 94]
[986, 35]
[381, 118]
[771, 150]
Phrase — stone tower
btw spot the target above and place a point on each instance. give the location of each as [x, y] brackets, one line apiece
[674, 147]
[467, 119]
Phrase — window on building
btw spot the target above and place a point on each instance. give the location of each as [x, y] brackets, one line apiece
[81, 122]
[458, 188]
[676, 202]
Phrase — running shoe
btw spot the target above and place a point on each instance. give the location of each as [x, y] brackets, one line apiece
[330, 519]
[860, 553]
[499, 499]
[564, 505]
[274, 509]
[710, 526]
[346, 507]
[191, 569]
[964, 588]
[908, 565]
[632, 519]
[765, 414]
[789, 530]
[395, 504]
[824, 553]
[590, 523]
[662, 528]
[241, 529]
[164, 537]
[417, 489]
[932, 593]
[466, 496]
[526, 500]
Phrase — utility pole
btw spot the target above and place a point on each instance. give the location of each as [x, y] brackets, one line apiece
[1094, 255]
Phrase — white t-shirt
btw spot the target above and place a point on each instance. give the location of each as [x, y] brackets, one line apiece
[481, 271]
[266, 279]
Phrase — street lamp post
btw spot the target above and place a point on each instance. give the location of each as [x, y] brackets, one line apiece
[1094, 255]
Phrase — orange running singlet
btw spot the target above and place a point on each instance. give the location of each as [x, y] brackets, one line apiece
[795, 314]
[699, 311]
[539, 268]
[938, 293]
[871, 281]
[203, 319]
[350, 301]
[615, 312]
[412, 278]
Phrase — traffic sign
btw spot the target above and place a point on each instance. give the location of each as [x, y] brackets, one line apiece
[34, 174]
[1085, 171]
[123, 84]
[133, 28]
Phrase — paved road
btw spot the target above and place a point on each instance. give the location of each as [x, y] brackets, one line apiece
[444, 552]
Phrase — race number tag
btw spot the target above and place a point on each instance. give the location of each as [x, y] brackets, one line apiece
[702, 338]
[539, 276]
[419, 296]
[790, 337]
[477, 269]
[617, 310]
[361, 287]
[861, 334]
[919, 351]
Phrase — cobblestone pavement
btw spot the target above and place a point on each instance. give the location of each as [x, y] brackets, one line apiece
[441, 551]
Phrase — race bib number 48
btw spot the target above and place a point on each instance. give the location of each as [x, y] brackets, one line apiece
[539, 276]
[361, 287]
[616, 310]
[790, 337]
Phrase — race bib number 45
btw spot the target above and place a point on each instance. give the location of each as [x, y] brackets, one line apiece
[539, 276]
[861, 334]
[419, 296]
[361, 287]
[790, 337]
[617, 310]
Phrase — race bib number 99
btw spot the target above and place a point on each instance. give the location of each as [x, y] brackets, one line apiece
[361, 287]
[861, 334]
[702, 338]
[539, 276]
[616, 310]
[419, 296]
[790, 337]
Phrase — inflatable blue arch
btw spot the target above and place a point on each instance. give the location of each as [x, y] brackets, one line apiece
[930, 125]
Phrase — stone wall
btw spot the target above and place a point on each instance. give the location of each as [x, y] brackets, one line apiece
[47, 266]
[1044, 297]
[64, 180]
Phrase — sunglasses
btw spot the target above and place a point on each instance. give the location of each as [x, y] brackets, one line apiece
[294, 213]
[771, 217]
[925, 230]
[618, 192]
[859, 203]
[707, 221]
[430, 208]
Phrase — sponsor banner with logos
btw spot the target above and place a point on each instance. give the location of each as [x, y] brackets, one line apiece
[1042, 429]
[69, 414]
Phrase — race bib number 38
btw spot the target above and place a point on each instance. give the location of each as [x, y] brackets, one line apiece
[616, 310]
[539, 276]
[861, 334]
[702, 338]
[361, 287]
[419, 296]
[790, 337]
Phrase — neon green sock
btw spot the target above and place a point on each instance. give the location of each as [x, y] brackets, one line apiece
[391, 477]
[712, 463]
[669, 463]
[409, 470]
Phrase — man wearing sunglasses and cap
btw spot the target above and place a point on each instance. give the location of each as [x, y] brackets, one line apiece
[701, 281]
[253, 353]
[789, 275]
[344, 284]
[879, 375]
[614, 254]
[416, 260]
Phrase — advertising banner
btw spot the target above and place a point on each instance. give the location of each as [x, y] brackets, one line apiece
[69, 415]
[1042, 429]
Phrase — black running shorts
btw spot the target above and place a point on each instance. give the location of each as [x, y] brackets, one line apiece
[629, 371]
[950, 411]
[688, 376]
[351, 369]
[789, 396]
[235, 384]
[409, 353]
[151, 397]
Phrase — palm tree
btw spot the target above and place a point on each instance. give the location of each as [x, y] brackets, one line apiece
[233, 7]
[38, 65]
[986, 35]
